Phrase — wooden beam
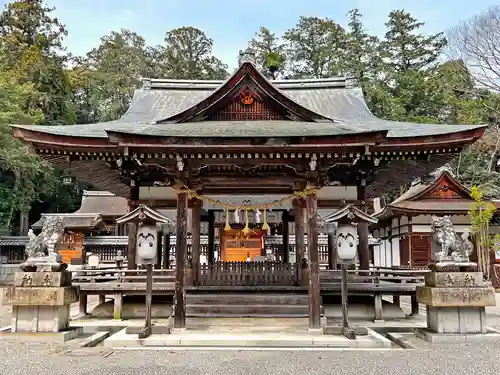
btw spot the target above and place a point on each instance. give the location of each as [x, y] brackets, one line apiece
[195, 233]
[211, 237]
[159, 250]
[132, 232]
[363, 231]
[166, 251]
[332, 251]
[286, 238]
[180, 260]
[300, 250]
[312, 245]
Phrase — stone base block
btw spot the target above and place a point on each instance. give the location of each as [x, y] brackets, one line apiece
[156, 329]
[456, 338]
[54, 337]
[42, 279]
[457, 320]
[456, 296]
[455, 279]
[40, 296]
[40, 318]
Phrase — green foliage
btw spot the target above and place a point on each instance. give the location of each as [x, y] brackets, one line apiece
[481, 214]
[188, 55]
[269, 52]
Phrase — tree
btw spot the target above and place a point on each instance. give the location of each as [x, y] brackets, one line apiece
[361, 56]
[315, 48]
[481, 214]
[187, 54]
[24, 177]
[269, 52]
[27, 24]
[30, 47]
[104, 81]
[476, 41]
[404, 48]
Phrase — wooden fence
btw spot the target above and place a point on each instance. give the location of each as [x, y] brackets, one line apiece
[247, 274]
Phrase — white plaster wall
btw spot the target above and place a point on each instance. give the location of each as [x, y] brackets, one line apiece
[396, 259]
[376, 256]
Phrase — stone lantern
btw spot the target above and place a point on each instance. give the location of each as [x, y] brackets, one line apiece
[346, 236]
[147, 243]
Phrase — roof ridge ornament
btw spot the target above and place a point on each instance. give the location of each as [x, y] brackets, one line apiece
[247, 56]
[146, 83]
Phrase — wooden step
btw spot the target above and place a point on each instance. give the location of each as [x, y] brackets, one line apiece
[247, 299]
[246, 310]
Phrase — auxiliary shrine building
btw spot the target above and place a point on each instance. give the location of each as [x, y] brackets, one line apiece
[243, 154]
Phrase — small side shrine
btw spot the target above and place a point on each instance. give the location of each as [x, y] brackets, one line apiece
[404, 226]
[96, 216]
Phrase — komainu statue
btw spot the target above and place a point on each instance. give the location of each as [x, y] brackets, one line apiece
[446, 244]
[40, 250]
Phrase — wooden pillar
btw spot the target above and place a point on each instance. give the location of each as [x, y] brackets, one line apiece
[300, 248]
[180, 260]
[83, 304]
[132, 246]
[118, 306]
[102, 299]
[166, 251]
[363, 251]
[211, 237]
[299, 239]
[132, 232]
[24, 223]
[332, 251]
[286, 238]
[159, 250]
[195, 232]
[312, 247]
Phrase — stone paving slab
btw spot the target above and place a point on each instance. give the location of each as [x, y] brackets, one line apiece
[246, 340]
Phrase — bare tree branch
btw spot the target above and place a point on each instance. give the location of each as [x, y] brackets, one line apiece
[476, 42]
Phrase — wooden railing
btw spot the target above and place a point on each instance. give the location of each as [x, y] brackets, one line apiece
[120, 276]
[247, 274]
[376, 276]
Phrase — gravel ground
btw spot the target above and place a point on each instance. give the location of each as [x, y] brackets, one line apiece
[20, 358]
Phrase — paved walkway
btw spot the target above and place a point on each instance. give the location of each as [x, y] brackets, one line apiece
[21, 358]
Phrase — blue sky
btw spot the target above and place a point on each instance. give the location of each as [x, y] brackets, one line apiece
[231, 23]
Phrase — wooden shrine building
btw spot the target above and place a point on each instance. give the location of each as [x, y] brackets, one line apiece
[247, 147]
[404, 226]
[96, 216]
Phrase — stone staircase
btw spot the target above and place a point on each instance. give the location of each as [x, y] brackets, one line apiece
[254, 305]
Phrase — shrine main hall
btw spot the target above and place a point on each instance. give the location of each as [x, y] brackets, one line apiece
[245, 157]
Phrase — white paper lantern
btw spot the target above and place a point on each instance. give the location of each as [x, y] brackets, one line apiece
[347, 243]
[147, 240]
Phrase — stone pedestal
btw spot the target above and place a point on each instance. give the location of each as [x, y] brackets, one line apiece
[456, 302]
[40, 301]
